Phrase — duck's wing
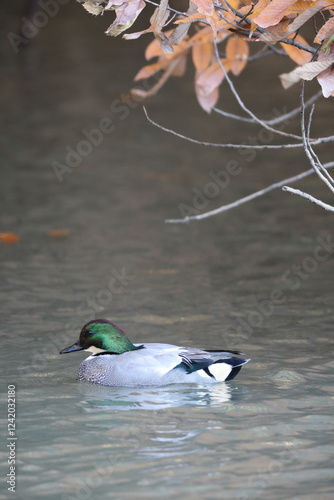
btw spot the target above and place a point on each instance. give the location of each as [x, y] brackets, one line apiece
[221, 365]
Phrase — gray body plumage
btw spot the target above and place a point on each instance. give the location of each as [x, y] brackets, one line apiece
[159, 364]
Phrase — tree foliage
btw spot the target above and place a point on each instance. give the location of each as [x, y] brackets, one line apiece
[233, 25]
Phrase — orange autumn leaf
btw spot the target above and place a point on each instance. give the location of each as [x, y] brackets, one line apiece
[237, 51]
[272, 13]
[298, 56]
[9, 238]
[202, 54]
[208, 81]
[300, 6]
[326, 31]
[151, 69]
[180, 67]
[204, 6]
[194, 17]
[257, 9]
[58, 233]
[154, 48]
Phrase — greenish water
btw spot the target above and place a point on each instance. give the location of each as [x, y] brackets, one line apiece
[226, 282]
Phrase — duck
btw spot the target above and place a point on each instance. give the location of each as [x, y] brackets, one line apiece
[116, 361]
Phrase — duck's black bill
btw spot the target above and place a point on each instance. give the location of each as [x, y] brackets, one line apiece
[74, 347]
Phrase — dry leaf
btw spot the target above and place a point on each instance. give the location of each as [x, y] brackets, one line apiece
[204, 6]
[237, 51]
[326, 77]
[9, 238]
[326, 80]
[300, 6]
[207, 102]
[272, 13]
[180, 67]
[298, 56]
[289, 79]
[294, 26]
[202, 55]
[58, 233]
[126, 14]
[312, 69]
[326, 31]
[151, 69]
[93, 7]
[207, 83]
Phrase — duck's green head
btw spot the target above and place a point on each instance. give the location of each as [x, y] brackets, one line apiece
[100, 335]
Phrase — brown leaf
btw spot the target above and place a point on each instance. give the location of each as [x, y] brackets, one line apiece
[325, 31]
[204, 6]
[9, 238]
[298, 56]
[326, 80]
[210, 79]
[92, 7]
[299, 7]
[312, 69]
[326, 77]
[137, 34]
[150, 70]
[181, 31]
[202, 55]
[180, 67]
[207, 83]
[171, 65]
[272, 13]
[237, 51]
[289, 79]
[207, 102]
[126, 14]
[294, 26]
[164, 42]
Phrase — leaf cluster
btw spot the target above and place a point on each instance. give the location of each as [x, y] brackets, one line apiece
[234, 25]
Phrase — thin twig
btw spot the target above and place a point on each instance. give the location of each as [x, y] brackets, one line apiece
[308, 197]
[184, 14]
[321, 140]
[306, 141]
[250, 197]
[244, 107]
[315, 156]
[274, 121]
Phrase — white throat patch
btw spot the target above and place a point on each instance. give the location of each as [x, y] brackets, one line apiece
[95, 350]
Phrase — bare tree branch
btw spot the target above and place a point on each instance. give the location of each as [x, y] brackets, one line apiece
[320, 140]
[248, 198]
[314, 160]
[308, 197]
[244, 107]
[274, 121]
